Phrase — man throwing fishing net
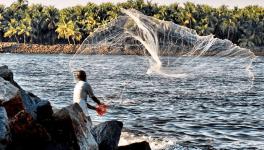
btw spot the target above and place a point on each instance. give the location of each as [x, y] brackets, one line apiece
[81, 90]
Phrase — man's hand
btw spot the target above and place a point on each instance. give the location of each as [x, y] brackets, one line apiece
[101, 109]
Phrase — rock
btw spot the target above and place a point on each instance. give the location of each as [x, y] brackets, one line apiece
[13, 97]
[7, 90]
[10, 98]
[14, 106]
[44, 110]
[7, 75]
[136, 146]
[5, 138]
[30, 102]
[33, 97]
[27, 133]
[15, 100]
[71, 129]
[107, 134]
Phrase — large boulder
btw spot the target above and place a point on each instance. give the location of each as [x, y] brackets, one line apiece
[13, 97]
[27, 133]
[7, 90]
[10, 98]
[136, 146]
[15, 100]
[71, 130]
[44, 110]
[7, 75]
[107, 134]
[5, 138]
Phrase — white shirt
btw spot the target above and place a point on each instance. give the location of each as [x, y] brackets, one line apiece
[81, 90]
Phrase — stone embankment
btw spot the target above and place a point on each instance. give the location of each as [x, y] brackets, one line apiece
[37, 48]
[7, 47]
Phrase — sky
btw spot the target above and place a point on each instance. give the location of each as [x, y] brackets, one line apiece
[215, 3]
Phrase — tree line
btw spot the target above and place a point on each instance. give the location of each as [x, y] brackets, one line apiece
[40, 24]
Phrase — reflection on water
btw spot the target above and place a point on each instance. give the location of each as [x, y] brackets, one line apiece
[159, 107]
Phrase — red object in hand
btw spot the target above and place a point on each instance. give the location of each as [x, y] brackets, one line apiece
[101, 109]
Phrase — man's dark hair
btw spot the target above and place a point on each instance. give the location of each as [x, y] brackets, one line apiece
[81, 75]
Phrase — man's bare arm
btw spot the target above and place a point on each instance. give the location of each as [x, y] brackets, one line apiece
[95, 99]
[91, 94]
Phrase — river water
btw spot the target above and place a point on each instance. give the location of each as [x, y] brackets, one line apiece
[158, 108]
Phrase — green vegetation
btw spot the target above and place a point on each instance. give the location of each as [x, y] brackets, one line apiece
[47, 25]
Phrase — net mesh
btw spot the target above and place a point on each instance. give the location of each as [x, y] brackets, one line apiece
[172, 51]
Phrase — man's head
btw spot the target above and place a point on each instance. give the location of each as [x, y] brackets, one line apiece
[80, 75]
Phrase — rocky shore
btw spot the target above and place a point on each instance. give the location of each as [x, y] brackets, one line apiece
[6, 47]
[29, 123]
[62, 49]
[37, 48]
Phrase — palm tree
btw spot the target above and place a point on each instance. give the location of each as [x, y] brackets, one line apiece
[229, 26]
[90, 24]
[162, 13]
[12, 30]
[68, 31]
[187, 17]
[77, 36]
[136, 4]
[47, 24]
[104, 9]
[19, 9]
[247, 41]
[52, 18]
[260, 30]
[65, 30]
[24, 28]
[150, 9]
[37, 23]
[2, 22]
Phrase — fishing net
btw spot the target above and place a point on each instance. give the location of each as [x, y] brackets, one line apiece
[165, 50]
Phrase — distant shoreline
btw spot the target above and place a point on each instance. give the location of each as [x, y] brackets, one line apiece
[9, 47]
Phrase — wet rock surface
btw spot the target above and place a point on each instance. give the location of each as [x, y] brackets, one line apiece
[7, 90]
[107, 134]
[14, 105]
[73, 126]
[136, 146]
[13, 97]
[44, 110]
[7, 75]
[26, 133]
[5, 138]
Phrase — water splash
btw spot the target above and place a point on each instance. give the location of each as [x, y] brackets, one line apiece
[155, 143]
